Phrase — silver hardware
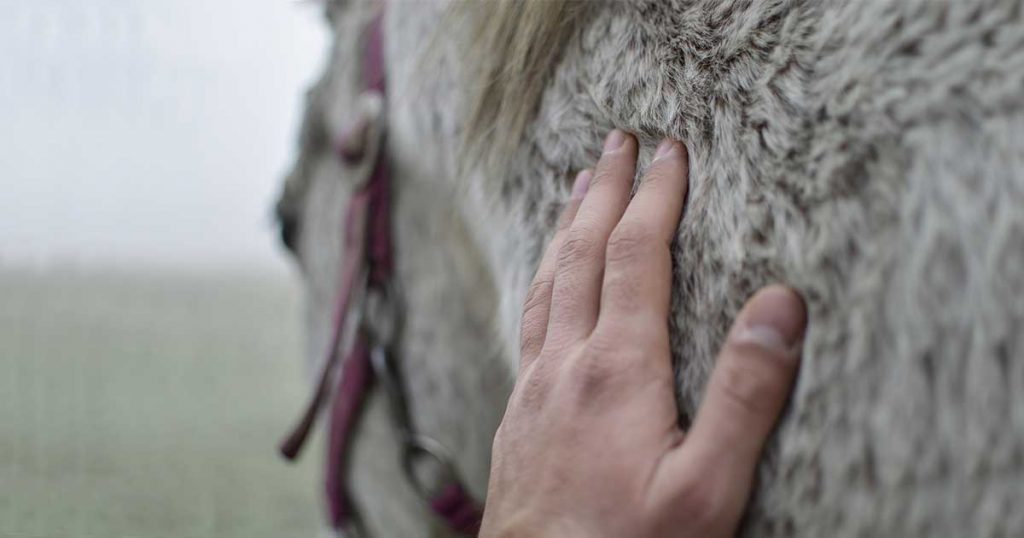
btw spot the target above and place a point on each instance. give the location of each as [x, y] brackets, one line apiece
[382, 316]
[386, 373]
[425, 462]
[421, 448]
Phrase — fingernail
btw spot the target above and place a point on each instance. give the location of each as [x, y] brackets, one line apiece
[582, 183]
[775, 319]
[668, 148]
[614, 141]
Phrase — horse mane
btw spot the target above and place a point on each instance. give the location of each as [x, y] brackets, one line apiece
[513, 49]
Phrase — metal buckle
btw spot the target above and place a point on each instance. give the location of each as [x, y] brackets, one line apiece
[417, 449]
[425, 462]
[387, 376]
[382, 317]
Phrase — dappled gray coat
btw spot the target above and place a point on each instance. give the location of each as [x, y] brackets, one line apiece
[869, 153]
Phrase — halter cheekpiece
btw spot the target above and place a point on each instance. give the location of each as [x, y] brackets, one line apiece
[368, 292]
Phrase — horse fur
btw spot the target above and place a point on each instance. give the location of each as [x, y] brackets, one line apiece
[867, 152]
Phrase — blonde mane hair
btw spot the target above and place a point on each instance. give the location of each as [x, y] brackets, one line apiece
[513, 48]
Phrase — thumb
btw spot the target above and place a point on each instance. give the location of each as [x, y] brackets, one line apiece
[745, 395]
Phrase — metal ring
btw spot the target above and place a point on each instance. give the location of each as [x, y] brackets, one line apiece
[418, 446]
[382, 315]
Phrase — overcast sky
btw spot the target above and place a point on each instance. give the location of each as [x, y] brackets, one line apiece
[149, 131]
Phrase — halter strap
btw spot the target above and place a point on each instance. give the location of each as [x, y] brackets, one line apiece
[354, 260]
[367, 250]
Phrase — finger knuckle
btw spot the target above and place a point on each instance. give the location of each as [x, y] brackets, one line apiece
[603, 343]
[530, 341]
[591, 377]
[629, 242]
[665, 172]
[622, 288]
[567, 216]
[607, 170]
[593, 369]
[531, 391]
[637, 334]
[579, 247]
[533, 322]
[537, 297]
[605, 365]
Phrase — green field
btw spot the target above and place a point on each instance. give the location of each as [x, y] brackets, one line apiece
[150, 406]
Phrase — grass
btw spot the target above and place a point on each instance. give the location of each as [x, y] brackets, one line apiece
[150, 406]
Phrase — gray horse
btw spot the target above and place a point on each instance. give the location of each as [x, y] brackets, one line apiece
[869, 153]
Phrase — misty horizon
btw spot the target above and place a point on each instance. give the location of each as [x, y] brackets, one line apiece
[150, 134]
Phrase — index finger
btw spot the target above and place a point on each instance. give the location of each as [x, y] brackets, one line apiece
[638, 263]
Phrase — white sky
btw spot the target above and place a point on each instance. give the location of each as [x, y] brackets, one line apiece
[150, 132]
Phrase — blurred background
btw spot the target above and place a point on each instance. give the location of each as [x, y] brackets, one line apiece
[149, 324]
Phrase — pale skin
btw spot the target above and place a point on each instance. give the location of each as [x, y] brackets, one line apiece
[590, 443]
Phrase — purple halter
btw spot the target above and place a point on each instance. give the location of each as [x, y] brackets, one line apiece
[368, 250]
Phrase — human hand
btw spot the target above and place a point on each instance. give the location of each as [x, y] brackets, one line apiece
[590, 443]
